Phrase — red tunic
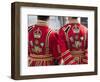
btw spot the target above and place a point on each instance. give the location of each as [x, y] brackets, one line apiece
[75, 37]
[45, 46]
[42, 46]
[65, 57]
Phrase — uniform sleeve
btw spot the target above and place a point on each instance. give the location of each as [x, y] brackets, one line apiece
[53, 45]
[66, 57]
[85, 59]
[29, 48]
[62, 36]
[30, 43]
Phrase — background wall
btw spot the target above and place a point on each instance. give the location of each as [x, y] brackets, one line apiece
[5, 40]
[56, 22]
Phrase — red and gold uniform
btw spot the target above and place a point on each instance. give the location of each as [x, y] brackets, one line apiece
[75, 37]
[65, 57]
[43, 47]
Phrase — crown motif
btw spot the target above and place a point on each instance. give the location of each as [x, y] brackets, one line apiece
[37, 33]
[76, 29]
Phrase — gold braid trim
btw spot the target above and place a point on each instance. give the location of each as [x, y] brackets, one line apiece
[68, 57]
[64, 53]
[47, 42]
[46, 57]
[66, 34]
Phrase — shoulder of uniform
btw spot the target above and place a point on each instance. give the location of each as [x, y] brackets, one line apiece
[52, 32]
[84, 27]
[53, 35]
[66, 27]
[63, 28]
[30, 28]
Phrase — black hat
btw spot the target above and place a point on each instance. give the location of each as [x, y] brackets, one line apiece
[74, 17]
[40, 17]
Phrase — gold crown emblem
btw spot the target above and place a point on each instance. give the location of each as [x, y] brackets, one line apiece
[76, 29]
[37, 33]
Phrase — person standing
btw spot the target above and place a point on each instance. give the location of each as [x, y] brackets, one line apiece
[43, 45]
[75, 37]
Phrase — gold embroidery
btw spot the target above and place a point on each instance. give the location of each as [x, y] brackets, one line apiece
[66, 34]
[64, 53]
[47, 42]
[68, 57]
[37, 33]
[41, 58]
[37, 49]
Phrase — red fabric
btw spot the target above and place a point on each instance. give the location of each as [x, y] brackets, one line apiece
[83, 31]
[64, 52]
[52, 43]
